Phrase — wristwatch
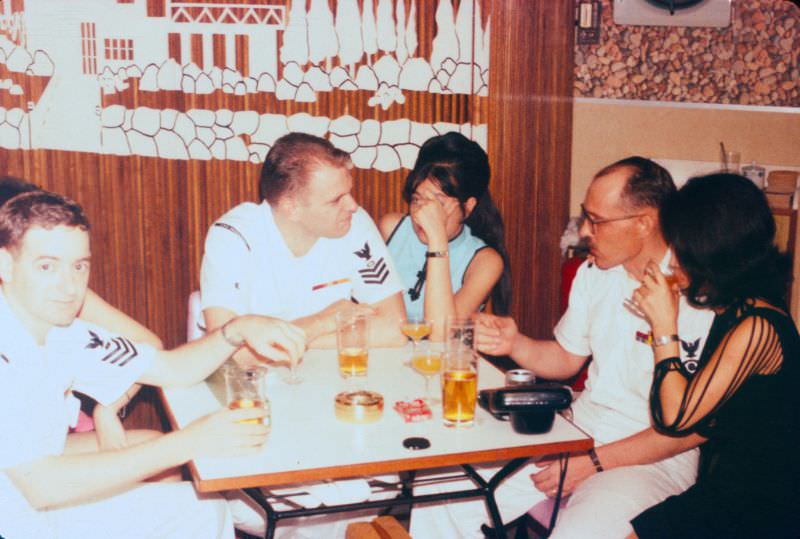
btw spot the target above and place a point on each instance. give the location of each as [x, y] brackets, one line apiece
[436, 254]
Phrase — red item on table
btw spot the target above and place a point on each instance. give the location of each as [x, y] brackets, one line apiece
[413, 411]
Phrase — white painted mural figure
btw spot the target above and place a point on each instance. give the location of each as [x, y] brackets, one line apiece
[92, 76]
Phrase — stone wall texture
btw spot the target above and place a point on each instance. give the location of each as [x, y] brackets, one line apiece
[754, 61]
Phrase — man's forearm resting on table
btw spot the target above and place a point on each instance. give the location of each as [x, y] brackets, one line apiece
[384, 325]
[190, 363]
[547, 359]
[53, 482]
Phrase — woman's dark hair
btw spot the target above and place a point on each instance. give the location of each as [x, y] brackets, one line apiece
[722, 232]
[460, 167]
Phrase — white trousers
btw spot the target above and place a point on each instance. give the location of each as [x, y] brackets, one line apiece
[150, 511]
[601, 507]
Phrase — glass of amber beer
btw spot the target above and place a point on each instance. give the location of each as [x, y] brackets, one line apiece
[247, 388]
[459, 387]
[352, 333]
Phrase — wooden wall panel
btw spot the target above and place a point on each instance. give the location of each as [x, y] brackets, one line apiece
[530, 132]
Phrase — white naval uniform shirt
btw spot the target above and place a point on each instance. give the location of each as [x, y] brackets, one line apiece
[248, 268]
[38, 406]
[615, 403]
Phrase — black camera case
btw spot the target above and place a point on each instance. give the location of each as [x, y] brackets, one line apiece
[531, 408]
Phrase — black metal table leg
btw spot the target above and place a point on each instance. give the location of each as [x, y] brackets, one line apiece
[272, 517]
[484, 489]
[490, 487]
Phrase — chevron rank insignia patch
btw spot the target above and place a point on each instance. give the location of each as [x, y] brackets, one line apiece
[119, 350]
[375, 273]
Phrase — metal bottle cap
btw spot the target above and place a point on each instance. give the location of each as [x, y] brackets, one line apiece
[520, 377]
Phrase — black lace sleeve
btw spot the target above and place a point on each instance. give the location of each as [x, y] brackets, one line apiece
[750, 347]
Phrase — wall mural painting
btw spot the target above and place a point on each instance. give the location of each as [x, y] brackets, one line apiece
[223, 80]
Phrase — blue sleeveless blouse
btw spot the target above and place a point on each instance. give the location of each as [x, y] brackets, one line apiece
[408, 254]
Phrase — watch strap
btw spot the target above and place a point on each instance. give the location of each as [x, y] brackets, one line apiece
[665, 339]
[436, 254]
[595, 460]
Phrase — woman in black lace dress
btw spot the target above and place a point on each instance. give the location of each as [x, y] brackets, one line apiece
[745, 396]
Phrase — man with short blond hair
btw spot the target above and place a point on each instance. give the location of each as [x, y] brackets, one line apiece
[304, 253]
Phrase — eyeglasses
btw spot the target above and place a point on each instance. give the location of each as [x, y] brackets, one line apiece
[593, 223]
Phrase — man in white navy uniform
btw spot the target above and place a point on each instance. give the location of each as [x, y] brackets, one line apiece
[305, 252]
[57, 485]
[633, 467]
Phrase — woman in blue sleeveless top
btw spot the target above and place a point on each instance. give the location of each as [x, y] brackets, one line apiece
[449, 248]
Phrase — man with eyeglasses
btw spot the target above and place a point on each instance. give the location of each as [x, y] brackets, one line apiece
[633, 467]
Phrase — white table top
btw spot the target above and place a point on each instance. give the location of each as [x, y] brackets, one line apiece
[308, 443]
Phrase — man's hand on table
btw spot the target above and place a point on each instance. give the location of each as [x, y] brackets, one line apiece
[546, 480]
[222, 434]
[495, 335]
[324, 322]
[268, 337]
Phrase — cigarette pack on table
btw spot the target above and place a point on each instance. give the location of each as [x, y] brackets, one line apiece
[413, 411]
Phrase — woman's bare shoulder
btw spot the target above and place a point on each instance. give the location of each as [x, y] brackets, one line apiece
[486, 261]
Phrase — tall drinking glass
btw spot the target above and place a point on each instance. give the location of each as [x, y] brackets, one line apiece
[352, 333]
[247, 388]
[459, 334]
[459, 387]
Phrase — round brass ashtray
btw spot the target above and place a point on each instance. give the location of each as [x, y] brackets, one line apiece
[359, 406]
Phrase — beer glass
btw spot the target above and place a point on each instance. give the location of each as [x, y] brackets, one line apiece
[247, 388]
[672, 281]
[459, 334]
[670, 277]
[459, 387]
[352, 334]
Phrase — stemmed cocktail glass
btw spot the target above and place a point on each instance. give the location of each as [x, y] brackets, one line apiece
[416, 329]
[293, 378]
[427, 361]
